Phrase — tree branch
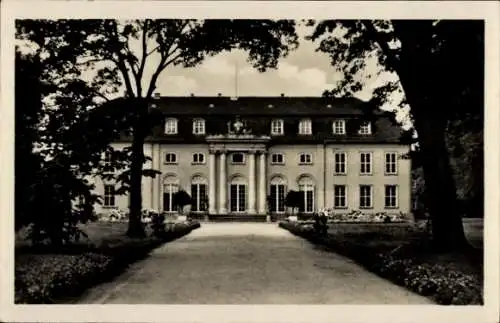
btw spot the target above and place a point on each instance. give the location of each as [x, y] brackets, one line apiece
[120, 62]
[384, 46]
[164, 57]
[143, 58]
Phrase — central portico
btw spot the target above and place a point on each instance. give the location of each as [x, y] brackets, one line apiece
[240, 162]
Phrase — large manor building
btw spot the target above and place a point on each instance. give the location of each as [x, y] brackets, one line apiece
[240, 156]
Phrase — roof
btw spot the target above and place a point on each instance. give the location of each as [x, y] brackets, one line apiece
[205, 105]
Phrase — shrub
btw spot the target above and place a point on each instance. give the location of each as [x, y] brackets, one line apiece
[43, 277]
[181, 199]
[158, 224]
[441, 283]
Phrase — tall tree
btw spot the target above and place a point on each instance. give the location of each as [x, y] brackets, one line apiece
[120, 52]
[439, 66]
[28, 113]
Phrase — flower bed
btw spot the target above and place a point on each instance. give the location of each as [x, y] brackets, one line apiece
[42, 276]
[405, 266]
[355, 216]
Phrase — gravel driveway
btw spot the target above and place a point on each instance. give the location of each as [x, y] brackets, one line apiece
[247, 263]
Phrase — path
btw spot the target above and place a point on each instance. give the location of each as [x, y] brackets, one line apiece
[247, 263]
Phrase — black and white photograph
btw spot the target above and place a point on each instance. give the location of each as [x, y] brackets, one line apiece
[179, 155]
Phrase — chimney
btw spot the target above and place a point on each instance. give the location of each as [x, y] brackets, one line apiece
[282, 95]
[156, 95]
[192, 94]
[219, 94]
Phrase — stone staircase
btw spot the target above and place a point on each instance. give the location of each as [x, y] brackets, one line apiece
[229, 217]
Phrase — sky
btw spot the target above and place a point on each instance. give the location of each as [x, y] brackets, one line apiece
[304, 72]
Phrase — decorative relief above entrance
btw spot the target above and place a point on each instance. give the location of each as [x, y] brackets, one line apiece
[238, 127]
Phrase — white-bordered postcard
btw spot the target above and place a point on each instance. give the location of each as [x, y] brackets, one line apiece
[249, 161]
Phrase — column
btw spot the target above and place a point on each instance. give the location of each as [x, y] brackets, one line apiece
[262, 183]
[159, 183]
[157, 180]
[211, 184]
[154, 180]
[251, 182]
[222, 184]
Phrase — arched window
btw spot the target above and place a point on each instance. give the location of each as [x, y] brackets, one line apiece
[277, 195]
[306, 185]
[199, 194]
[170, 187]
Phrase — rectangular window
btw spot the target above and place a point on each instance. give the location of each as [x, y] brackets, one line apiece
[340, 196]
[305, 127]
[340, 163]
[339, 127]
[198, 158]
[366, 163]
[170, 158]
[391, 167]
[277, 159]
[305, 159]
[365, 196]
[391, 196]
[277, 127]
[238, 158]
[109, 195]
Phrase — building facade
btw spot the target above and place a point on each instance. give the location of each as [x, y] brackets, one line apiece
[241, 156]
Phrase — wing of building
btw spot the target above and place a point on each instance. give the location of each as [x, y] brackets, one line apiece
[240, 156]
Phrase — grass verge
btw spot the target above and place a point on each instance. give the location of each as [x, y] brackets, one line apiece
[44, 275]
[448, 279]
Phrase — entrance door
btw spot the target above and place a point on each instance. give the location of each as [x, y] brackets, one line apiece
[277, 203]
[238, 197]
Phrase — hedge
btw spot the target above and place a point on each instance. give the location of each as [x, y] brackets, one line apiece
[444, 285]
[44, 277]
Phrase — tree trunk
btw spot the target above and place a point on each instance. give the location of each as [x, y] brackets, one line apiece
[135, 227]
[447, 228]
[416, 68]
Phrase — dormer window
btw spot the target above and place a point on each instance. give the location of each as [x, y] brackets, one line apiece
[305, 127]
[171, 126]
[366, 128]
[339, 127]
[198, 126]
[277, 127]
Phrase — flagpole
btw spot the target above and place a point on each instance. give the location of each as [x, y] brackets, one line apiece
[236, 79]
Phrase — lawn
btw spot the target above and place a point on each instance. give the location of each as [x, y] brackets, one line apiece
[44, 275]
[400, 252]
